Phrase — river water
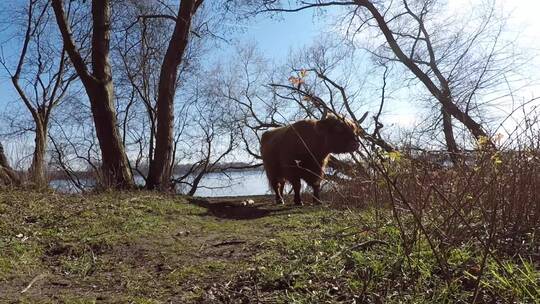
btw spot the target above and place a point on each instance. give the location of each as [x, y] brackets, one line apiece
[239, 183]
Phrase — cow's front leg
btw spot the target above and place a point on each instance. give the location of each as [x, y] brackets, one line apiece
[296, 184]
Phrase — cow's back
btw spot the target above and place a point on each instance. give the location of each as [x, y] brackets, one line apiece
[294, 139]
[281, 146]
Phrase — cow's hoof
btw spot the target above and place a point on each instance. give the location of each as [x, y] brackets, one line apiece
[299, 203]
[280, 202]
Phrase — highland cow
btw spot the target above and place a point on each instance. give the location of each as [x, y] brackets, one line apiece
[301, 150]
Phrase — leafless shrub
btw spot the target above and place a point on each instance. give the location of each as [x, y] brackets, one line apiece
[491, 205]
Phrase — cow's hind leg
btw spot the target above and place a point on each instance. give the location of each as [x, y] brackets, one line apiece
[313, 179]
[316, 192]
[280, 188]
[277, 186]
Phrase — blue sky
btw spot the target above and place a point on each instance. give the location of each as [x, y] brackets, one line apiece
[276, 36]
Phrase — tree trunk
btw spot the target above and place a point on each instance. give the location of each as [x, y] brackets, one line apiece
[115, 167]
[99, 87]
[451, 144]
[159, 173]
[7, 175]
[37, 168]
[197, 179]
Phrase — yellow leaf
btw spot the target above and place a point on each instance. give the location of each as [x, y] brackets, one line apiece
[394, 155]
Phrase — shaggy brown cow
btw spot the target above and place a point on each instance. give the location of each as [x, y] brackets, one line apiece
[300, 151]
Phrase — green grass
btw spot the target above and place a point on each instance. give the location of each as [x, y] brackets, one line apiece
[146, 247]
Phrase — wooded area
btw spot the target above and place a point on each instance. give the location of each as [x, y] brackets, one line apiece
[158, 60]
[156, 95]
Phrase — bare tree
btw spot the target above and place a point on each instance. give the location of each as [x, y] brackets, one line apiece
[145, 34]
[216, 145]
[138, 52]
[242, 85]
[99, 88]
[41, 79]
[159, 173]
[455, 65]
[206, 134]
[75, 153]
[436, 60]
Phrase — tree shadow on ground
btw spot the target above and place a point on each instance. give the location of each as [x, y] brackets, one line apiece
[238, 209]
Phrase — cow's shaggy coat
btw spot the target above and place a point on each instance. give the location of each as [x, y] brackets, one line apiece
[300, 151]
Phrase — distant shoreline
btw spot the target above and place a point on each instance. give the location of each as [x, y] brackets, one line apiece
[183, 169]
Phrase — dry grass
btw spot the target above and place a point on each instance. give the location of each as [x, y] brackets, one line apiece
[419, 232]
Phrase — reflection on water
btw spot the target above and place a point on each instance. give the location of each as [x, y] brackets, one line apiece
[213, 184]
[234, 184]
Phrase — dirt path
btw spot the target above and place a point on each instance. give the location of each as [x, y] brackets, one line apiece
[129, 248]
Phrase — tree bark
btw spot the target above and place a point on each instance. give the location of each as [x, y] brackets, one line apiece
[198, 178]
[37, 168]
[115, 168]
[451, 144]
[7, 175]
[99, 87]
[159, 174]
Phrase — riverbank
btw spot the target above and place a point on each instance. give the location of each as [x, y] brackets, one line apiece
[145, 247]
[215, 184]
